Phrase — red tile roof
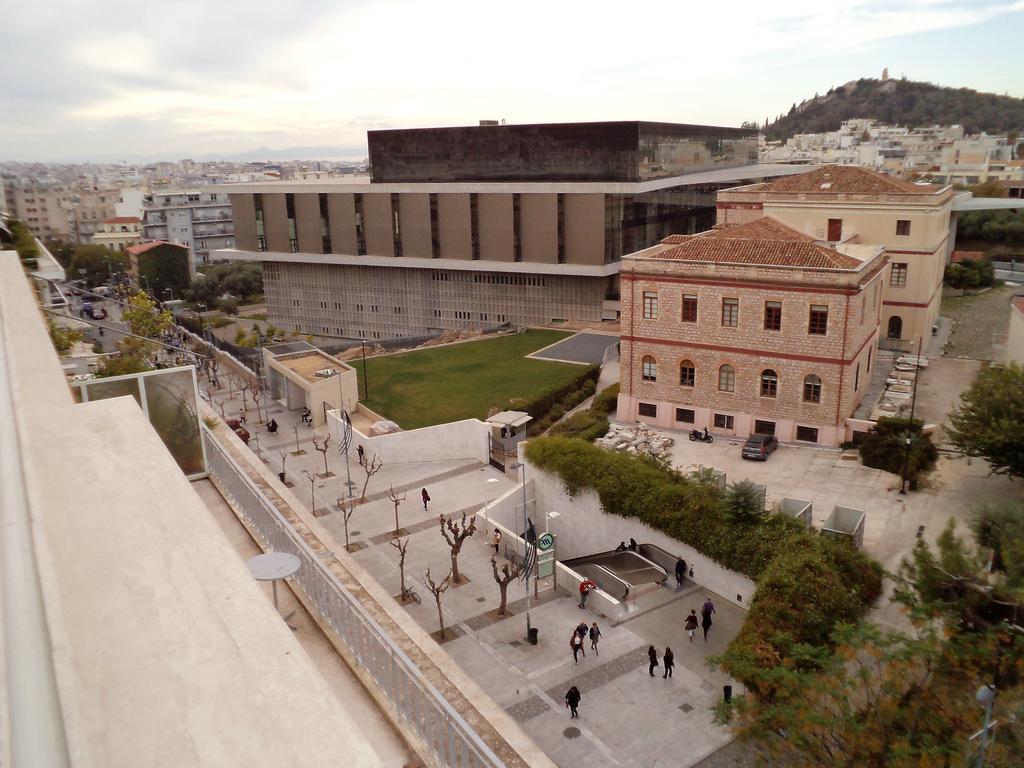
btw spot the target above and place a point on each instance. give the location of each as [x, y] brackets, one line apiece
[765, 241]
[843, 180]
[959, 256]
[135, 250]
[123, 220]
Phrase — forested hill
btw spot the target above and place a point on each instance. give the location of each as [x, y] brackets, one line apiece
[902, 102]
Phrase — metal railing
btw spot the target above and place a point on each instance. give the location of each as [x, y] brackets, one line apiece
[441, 729]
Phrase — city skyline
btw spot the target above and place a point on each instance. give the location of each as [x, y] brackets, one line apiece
[126, 82]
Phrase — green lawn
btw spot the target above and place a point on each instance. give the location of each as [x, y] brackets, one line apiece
[462, 381]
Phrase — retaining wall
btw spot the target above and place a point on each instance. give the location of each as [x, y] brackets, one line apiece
[467, 439]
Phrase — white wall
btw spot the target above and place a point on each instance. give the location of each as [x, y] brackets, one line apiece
[584, 528]
[467, 439]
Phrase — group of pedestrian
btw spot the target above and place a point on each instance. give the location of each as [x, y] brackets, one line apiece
[632, 547]
[690, 624]
[669, 660]
[579, 636]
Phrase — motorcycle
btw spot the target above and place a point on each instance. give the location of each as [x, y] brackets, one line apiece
[697, 436]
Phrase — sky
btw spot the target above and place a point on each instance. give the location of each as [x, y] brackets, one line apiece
[109, 80]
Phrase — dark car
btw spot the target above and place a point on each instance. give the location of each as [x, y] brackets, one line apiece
[759, 447]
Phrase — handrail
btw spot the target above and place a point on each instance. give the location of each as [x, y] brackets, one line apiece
[325, 591]
[37, 736]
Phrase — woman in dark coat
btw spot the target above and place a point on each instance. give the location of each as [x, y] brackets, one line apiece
[572, 700]
[670, 661]
[652, 655]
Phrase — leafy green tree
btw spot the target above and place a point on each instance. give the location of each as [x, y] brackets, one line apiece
[62, 251]
[143, 317]
[63, 338]
[98, 262]
[165, 267]
[885, 447]
[990, 420]
[744, 503]
[132, 359]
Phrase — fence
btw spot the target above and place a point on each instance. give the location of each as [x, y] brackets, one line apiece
[440, 729]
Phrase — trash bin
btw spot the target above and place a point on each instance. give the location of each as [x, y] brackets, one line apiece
[727, 693]
[532, 634]
[280, 476]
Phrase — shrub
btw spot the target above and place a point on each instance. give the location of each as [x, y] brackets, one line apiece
[806, 583]
[607, 400]
[228, 306]
[970, 274]
[586, 425]
[885, 447]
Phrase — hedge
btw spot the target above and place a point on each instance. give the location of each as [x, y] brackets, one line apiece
[806, 583]
[551, 406]
[592, 423]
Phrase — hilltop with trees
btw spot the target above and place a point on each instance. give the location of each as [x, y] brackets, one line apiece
[901, 102]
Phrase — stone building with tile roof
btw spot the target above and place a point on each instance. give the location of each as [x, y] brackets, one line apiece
[848, 204]
[752, 328]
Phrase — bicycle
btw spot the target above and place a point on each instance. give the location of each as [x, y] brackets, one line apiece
[410, 594]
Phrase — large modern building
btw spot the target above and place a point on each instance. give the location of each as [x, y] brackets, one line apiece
[848, 204]
[462, 228]
[750, 328]
[199, 219]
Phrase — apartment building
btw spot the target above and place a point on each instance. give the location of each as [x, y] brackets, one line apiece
[750, 328]
[45, 208]
[852, 205]
[118, 232]
[89, 209]
[469, 227]
[199, 219]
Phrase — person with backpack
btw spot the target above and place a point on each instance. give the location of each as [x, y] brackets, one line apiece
[669, 660]
[652, 656]
[690, 625]
[572, 701]
[595, 635]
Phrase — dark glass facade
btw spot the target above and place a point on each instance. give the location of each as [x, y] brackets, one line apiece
[611, 151]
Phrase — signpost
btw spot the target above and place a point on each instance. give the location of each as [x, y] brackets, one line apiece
[546, 557]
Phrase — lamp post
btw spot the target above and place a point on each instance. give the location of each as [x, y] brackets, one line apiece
[526, 544]
[366, 386]
[985, 696]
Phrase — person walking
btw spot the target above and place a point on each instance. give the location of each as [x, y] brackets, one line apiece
[652, 656]
[680, 571]
[577, 645]
[669, 660]
[595, 635]
[362, 454]
[585, 586]
[705, 616]
[426, 497]
[496, 540]
[581, 630]
[633, 545]
[691, 623]
[572, 701]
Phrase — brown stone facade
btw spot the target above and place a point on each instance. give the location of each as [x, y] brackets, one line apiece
[842, 358]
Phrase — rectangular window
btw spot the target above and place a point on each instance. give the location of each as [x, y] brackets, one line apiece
[856, 377]
[723, 421]
[689, 309]
[730, 312]
[685, 415]
[764, 427]
[650, 305]
[396, 223]
[807, 434]
[903, 227]
[773, 315]
[474, 224]
[687, 374]
[517, 227]
[898, 274]
[817, 324]
[647, 409]
[293, 240]
[649, 369]
[435, 228]
[360, 226]
[835, 230]
[261, 235]
[325, 224]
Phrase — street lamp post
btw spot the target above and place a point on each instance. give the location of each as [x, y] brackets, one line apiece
[985, 695]
[526, 545]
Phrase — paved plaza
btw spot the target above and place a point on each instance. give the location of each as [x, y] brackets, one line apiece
[579, 348]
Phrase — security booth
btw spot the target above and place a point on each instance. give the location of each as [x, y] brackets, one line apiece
[508, 430]
[300, 375]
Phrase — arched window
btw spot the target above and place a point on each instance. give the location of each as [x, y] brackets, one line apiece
[812, 389]
[769, 383]
[895, 327]
[650, 369]
[726, 379]
[687, 373]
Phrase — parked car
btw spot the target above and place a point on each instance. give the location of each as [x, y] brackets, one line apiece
[759, 447]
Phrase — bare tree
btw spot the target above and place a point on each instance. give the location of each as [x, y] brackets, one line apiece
[284, 458]
[243, 385]
[298, 451]
[456, 534]
[311, 476]
[437, 590]
[257, 395]
[347, 510]
[507, 575]
[401, 545]
[396, 500]
[371, 467]
[322, 448]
